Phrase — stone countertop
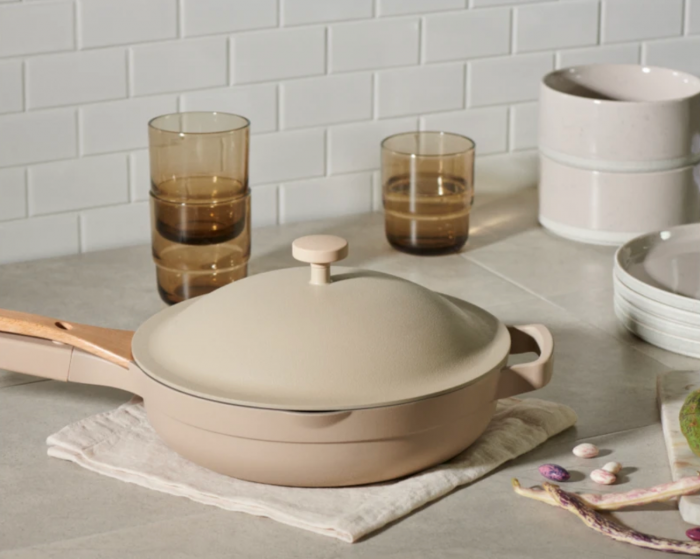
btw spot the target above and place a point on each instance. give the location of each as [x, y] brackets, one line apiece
[510, 266]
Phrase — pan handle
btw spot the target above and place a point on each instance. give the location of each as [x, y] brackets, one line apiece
[525, 377]
[111, 345]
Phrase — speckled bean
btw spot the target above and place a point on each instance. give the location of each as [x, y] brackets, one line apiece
[603, 477]
[554, 472]
[586, 450]
[693, 534]
[613, 467]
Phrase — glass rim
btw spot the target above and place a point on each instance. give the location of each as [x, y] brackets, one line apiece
[471, 143]
[153, 126]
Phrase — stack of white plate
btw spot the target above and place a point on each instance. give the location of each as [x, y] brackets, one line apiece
[657, 288]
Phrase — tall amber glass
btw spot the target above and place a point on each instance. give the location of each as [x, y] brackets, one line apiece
[428, 190]
[200, 203]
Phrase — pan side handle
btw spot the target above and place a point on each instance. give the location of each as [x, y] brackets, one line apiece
[109, 344]
[525, 377]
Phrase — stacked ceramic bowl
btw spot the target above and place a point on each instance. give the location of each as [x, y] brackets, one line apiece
[657, 288]
[618, 146]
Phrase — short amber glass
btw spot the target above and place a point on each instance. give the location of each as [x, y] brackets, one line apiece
[428, 190]
[200, 202]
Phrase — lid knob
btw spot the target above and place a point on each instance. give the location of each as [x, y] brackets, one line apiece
[320, 251]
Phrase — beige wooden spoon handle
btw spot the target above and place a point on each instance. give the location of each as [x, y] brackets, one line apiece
[112, 345]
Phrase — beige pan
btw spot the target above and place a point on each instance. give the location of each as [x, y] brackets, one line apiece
[313, 447]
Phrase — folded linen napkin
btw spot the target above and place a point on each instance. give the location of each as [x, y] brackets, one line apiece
[123, 445]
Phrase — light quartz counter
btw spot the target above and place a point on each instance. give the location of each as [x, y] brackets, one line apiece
[510, 266]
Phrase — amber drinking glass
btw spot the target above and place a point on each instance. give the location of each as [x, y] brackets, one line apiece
[428, 190]
[200, 203]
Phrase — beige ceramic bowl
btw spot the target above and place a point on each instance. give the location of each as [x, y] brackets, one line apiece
[620, 117]
[611, 208]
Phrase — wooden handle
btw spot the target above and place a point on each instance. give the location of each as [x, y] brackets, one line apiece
[112, 345]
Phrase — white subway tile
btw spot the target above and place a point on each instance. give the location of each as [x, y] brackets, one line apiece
[121, 125]
[77, 77]
[373, 44]
[119, 22]
[183, 65]
[34, 137]
[632, 20]
[356, 147]
[116, 226]
[489, 3]
[507, 80]
[78, 183]
[13, 194]
[469, 34]
[206, 17]
[326, 100]
[11, 90]
[420, 90]
[263, 205]
[399, 7]
[524, 124]
[300, 12]
[326, 197]
[557, 25]
[31, 28]
[693, 21]
[487, 127]
[279, 54]
[38, 237]
[611, 54]
[139, 176]
[286, 156]
[506, 172]
[678, 54]
[257, 103]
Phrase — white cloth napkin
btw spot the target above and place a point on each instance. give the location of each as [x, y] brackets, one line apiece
[123, 445]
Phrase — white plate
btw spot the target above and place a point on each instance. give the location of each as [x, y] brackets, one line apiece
[664, 266]
[662, 325]
[654, 307]
[657, 338]
[584, 235]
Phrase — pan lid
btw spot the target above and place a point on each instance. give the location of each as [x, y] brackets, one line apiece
[308, 339]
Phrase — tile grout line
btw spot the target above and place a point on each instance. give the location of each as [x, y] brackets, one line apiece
[25, 101]
[33, 381]
[503, 277]
[656, 423]
[179, 17]
[421, 41]
[25, 174]
[513, 31]
[77, 35]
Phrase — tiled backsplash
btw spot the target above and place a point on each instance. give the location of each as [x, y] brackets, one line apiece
[323, 81]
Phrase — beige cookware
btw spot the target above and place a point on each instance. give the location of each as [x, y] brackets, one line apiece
[298, 377]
